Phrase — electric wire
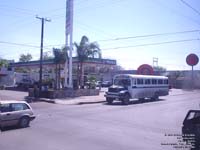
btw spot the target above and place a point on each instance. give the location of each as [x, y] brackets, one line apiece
[188, 5]
[20, 44]
[174, 11]
[150, 35]
[151, 44]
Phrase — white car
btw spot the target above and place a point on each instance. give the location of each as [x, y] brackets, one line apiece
[15, 113]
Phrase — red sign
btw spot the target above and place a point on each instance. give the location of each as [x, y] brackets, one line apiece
[145, 69]
[192, 59]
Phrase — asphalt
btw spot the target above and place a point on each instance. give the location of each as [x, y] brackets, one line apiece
[97, 99]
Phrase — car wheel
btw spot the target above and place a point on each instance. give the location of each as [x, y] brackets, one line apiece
[24, 122]
[109, 100]
[126, 100]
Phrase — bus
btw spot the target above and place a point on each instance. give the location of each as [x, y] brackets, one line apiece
[129, 86]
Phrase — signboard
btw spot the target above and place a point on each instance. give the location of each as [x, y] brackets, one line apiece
[145, 69]
[68, 16]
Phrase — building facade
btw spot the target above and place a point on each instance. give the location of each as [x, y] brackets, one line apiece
[92, 67]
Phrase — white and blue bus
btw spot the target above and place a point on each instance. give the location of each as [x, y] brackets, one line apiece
[128, 86]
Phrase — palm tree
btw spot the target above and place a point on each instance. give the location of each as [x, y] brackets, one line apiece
[60, 56]
[85, 50]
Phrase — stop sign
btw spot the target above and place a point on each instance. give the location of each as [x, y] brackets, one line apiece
[192, 59]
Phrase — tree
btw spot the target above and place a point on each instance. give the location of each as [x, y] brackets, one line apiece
[46, 56]
[3, 63]
[159, 69]
[60, 57]
[25, 57]
[85, 50]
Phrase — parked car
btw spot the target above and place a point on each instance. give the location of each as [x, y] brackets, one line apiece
[191, 128]
[98, 83]
[106, 83]
[17, 113]
[25, 83]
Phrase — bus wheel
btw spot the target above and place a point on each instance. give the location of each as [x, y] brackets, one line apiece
[109, 100]
[155, 97]
[125, 100]
[141, 99]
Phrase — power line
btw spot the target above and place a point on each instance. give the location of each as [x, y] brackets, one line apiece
[140, 36]
[152, 44]
[94, 29]
[19, 10]
[99, 5]
[54, 10]
[174, 11]
[188, 5]
[23, 45]
[150, 35]
[18, 44]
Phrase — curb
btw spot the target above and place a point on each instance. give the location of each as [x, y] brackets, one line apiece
[47, 100]
[33, 99]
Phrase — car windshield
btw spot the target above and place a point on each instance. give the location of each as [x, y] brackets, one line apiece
[193, 115]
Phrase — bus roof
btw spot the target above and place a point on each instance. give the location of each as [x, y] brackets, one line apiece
[141, 76]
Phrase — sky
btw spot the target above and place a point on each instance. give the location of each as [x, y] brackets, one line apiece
[108, 22]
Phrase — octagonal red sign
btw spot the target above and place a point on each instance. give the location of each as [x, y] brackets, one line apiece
[192, 59]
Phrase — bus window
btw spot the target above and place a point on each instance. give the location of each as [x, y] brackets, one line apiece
[147, 81]
[134, 81]
[139, 81]
[165, 81]
[160, 81]
[154, 81]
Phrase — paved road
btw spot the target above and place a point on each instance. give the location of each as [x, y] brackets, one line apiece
[139, 126]
[12, 95]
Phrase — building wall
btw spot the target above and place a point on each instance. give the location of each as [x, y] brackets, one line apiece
[7, 76]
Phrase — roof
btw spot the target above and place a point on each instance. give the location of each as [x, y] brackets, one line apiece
[142, 76]
[10, 101]
[75, 60]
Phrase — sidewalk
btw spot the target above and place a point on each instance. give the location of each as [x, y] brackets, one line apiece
[174, 92]
[77, 100]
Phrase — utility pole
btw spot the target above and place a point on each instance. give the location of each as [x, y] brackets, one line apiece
[69, 39]
[41, 50]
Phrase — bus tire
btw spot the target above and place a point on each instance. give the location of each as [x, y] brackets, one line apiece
[141, 99]
[109, 100]
[126, 99]
[155, 97]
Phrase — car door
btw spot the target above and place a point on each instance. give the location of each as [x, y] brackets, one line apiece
[7, 116]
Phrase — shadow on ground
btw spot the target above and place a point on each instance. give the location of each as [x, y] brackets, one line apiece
[134, 102]
[4, 129]
[117, 103]
[82, 103]
[19, 89]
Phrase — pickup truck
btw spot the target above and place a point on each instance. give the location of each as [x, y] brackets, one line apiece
[191, 128]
